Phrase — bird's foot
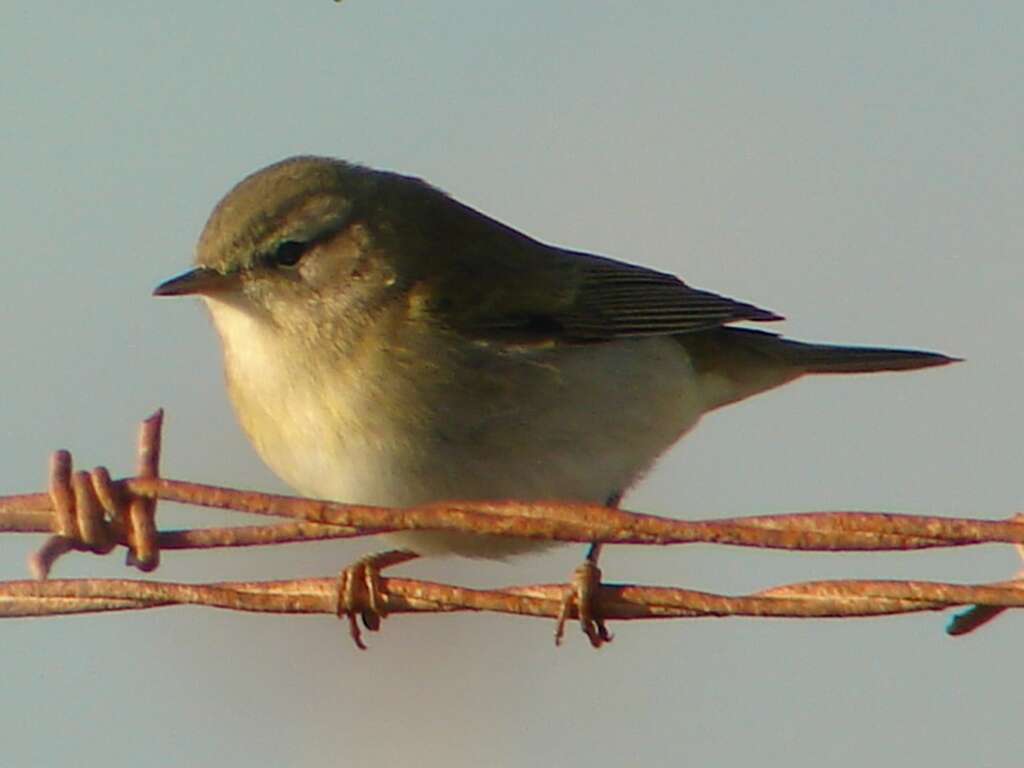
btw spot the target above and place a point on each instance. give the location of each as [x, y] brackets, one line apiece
[360, 595]
[582, 595]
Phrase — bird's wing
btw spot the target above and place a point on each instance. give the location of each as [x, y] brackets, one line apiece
[615, 300]
[540, 293]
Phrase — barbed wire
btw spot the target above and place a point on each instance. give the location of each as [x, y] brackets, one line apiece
[88, 511]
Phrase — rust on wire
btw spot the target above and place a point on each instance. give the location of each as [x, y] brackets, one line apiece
[567, 522]
[88, 511]
[144, 552]
[821, 599]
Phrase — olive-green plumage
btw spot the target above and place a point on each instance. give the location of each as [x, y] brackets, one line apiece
[387, 344]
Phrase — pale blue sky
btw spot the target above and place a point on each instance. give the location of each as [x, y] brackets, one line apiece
[854, 166]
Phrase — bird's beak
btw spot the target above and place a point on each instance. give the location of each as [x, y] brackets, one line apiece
[198, 280]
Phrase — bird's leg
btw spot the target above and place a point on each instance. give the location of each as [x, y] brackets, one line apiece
[583, 592]
[359, 593]
[582, 595]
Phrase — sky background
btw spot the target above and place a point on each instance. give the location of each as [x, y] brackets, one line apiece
[854, 166]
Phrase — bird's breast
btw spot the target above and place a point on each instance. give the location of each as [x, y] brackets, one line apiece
[422, 416]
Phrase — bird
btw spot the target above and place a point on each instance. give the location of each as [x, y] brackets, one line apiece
[386, 344]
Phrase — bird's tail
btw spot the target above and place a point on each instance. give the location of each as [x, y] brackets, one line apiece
[828, 358]
[739, 362]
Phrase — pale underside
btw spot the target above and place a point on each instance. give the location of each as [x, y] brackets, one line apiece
[431, 416]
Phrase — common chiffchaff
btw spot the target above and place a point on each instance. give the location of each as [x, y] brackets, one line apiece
[385, 344]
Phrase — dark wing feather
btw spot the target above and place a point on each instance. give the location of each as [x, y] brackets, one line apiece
[491, 282]
[615, 300]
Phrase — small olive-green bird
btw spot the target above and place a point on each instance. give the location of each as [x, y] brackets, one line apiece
[385, 344]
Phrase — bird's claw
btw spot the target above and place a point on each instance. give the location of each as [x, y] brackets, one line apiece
[360, 596]
[582, 596]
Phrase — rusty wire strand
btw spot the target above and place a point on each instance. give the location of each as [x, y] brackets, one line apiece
[819, 599]
[91, 512]
[568, 522]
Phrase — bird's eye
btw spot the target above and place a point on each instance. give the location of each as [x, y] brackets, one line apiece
[288, 253]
